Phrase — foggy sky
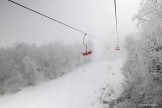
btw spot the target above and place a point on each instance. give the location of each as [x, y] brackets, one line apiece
[95, 17]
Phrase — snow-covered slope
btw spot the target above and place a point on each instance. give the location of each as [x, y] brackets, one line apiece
[79, 89]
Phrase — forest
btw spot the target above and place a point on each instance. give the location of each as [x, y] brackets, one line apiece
[27, 65]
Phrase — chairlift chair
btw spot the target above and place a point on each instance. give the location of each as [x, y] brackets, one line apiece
[86, 53]
[117, 48]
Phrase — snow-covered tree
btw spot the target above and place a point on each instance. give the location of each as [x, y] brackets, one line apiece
[143, 67]
[25, 65]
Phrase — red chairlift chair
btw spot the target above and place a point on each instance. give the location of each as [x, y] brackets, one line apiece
[86, 53]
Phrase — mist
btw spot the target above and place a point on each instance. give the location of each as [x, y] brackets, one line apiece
[80, 54]
[93, 16]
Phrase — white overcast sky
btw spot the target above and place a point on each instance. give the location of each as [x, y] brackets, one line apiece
[95, 17]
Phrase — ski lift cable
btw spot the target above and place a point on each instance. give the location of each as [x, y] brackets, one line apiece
[116, 23]
[57, 21]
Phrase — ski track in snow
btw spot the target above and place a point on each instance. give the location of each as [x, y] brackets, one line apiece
[78, 89]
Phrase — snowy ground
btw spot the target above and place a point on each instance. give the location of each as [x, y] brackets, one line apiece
[79, 89]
